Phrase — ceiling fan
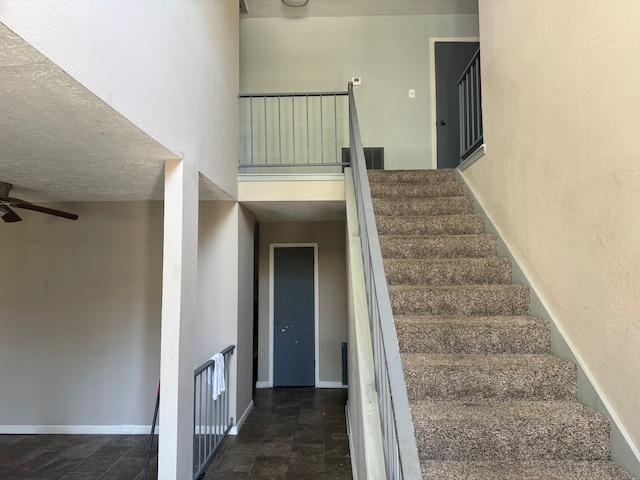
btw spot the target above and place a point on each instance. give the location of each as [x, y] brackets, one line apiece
[7, 203]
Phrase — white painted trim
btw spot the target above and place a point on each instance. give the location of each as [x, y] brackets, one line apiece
[316, 306]
[325, 384]
[476, 155]
[238, 426]
[264, 385]
[77, 429]
[432, 68]
[296, 177]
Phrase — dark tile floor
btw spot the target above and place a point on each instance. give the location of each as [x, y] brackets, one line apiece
[291, 433]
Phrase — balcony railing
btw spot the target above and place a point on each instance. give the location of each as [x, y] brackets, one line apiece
[293, 132]
[470, 100]
[211, 415]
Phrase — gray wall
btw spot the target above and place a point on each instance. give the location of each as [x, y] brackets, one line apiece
[391, 54]
[80, 317]
[332, 291]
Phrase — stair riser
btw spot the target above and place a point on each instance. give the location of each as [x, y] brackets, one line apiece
[401, 191]
[412, 176]
[501, 383]
[435, 225]
[516, 442]
[508, 300]
[468, 340]
[467, 246]
[463, 272]
[423, 206]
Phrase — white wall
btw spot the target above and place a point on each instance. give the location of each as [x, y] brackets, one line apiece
[391, 54]
[225, 294]
[80, 318]
[170, 67]
[332, 291]
[561, 174]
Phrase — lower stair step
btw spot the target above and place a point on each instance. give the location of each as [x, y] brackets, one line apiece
[460, 300]
[439, 246]
[459, 224]
[472, 378]
[510, 431]
[382, 189]
[423, 206]
[472, 335]
[454, 271]
[540, 470]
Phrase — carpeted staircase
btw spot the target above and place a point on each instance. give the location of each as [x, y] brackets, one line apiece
[488, 400]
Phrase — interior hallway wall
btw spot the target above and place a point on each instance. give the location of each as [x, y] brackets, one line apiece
[80, 319]
[561, 174]
[225, 294]
[390, 54]
[332, 292]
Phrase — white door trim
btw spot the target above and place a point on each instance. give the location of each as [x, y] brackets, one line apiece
[316, 309]
[432, 66]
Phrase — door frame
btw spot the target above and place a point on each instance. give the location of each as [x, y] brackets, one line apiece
[316, 309]
[432, 67]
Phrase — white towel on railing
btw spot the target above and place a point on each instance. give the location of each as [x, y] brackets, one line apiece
[215, 376]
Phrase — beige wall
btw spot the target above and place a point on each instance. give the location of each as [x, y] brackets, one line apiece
[225, 294]
[560, 178]
[330, 237]
[391, 54]
[80, 318]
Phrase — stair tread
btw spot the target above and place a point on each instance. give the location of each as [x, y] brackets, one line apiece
[486, 361]
[525, 470]
[454, 288]
[420, 206]
[515, 412]
[473, 334]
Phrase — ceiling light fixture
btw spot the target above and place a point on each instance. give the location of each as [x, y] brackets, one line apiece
[295, 3]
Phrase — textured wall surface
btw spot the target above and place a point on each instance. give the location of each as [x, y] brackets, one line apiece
[171, 68]
[80, 328]
[561, 173]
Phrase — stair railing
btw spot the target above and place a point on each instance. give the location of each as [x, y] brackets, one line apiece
[470, 104]
[211, 415]
[399, 442]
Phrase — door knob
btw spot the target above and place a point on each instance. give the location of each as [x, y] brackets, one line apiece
[443, 122]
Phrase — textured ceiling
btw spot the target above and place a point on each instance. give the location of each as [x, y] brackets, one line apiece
[59, 142]
[354, 8]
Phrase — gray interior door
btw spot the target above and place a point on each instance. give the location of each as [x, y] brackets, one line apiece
[294, 317]
[451, 58]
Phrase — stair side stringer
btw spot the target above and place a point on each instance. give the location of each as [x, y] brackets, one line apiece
[623, 450]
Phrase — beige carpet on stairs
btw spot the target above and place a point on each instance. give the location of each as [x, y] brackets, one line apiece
[488, 400]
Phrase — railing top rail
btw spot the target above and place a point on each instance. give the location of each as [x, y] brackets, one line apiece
[466, 69]
[406, 441]
[293, 94]
[209, 362]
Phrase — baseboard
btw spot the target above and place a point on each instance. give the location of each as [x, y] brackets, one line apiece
[354, 470]
[264, 385]
[623, 451]
[477, 154]
[238, 426]
[330, 385]
[77, 429]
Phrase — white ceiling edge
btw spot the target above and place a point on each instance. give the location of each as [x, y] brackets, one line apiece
[343, 8]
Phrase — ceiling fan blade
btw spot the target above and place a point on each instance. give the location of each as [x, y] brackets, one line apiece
[50, 211]
[9, 215]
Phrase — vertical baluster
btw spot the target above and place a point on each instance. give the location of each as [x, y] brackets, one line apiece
[307, 107]
[479, 109]
[293, 126]
[266, 158]
[321, 132]
[279, 132]
[251, 123]
[335, 127]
